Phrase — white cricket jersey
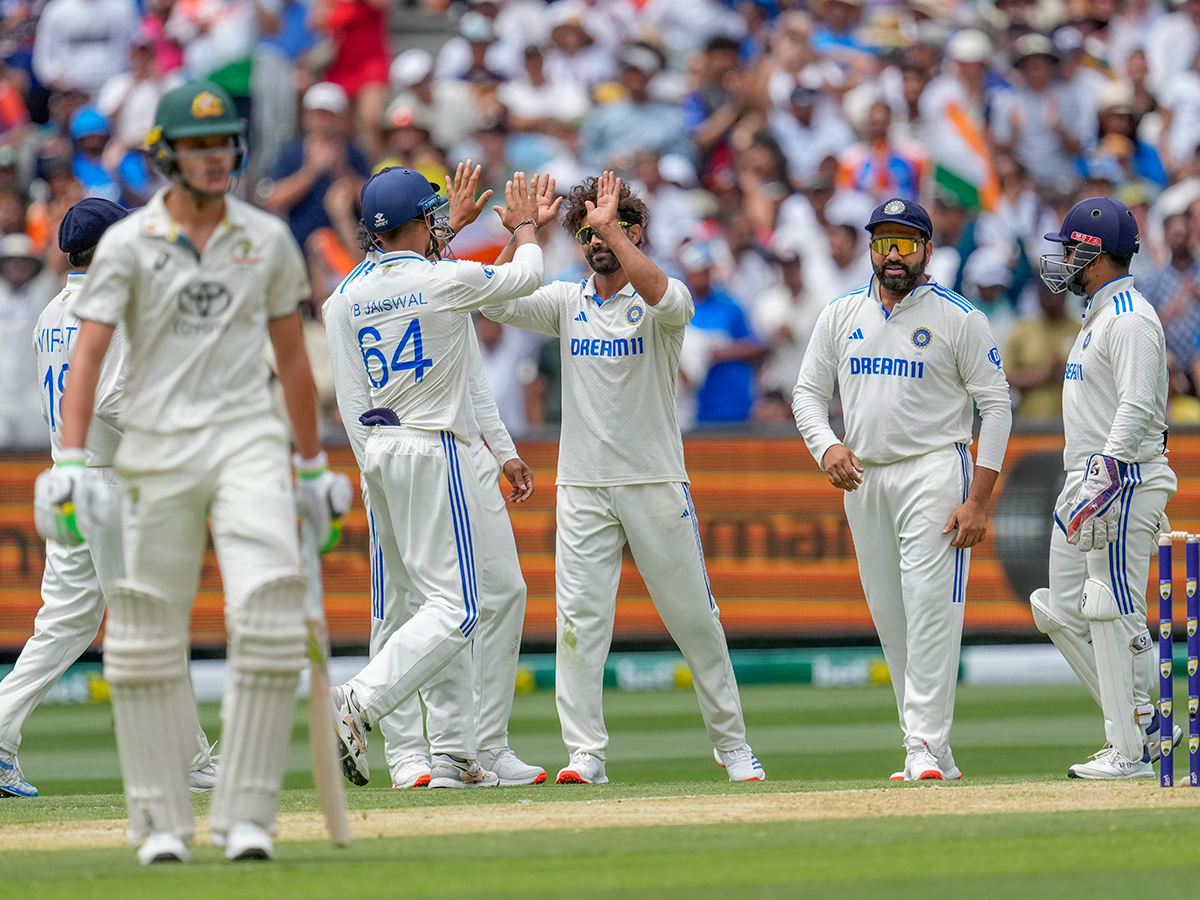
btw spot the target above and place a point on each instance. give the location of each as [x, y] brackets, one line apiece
[907, 379]
[196, 323]
[620, 363]
[54, 342]
[352, 386]
[1115, 386]
[410, 323]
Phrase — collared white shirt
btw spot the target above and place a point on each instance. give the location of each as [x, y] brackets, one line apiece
[1115, 387]
[196, 323]
[620, 364]
[908, 379]
[54, 342]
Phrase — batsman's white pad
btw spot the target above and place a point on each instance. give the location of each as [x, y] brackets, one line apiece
[154, 715]
[268, 646]
[1117, 652]
[1075, 648]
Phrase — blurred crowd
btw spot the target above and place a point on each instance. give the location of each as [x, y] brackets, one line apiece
[761, 133]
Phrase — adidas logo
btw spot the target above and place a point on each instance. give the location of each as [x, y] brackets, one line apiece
[582, 317]
[856, 336]
[686, 514]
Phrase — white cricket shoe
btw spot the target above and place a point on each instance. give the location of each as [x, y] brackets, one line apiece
[411, 771]
[246, 840]
[351, 728]
[1109, 764]
[741, 764]
[509, 767]
[163, 847]
[12, 779]
[583, 769]
[920, 764]
[451, 772]
[950, 772]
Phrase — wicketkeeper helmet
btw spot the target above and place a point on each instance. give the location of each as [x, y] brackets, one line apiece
[1093, 226]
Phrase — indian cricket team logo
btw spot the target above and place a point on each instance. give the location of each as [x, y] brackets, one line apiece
[635, 314]
[204, 299]
[207, 105]
[923, 337]
[994, 357]
[1087, 339]
[894, 208]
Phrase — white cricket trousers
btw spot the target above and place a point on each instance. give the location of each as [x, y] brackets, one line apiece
[425, 503]
[659, 523]
[915, 581]
[74, 583]
[1124, 566]
[236, 476]
[468, 704]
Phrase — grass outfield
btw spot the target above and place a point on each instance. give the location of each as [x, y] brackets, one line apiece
[810, 741]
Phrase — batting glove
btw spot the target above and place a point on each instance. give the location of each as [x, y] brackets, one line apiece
[322, 497]
[1093, 517]
[61, 500]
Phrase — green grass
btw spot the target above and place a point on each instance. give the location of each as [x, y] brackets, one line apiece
[808, 740]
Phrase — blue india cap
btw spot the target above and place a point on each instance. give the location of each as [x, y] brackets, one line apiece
[85, 223]
[902, 212]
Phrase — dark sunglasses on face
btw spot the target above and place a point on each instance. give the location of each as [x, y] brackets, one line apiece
[585, 234]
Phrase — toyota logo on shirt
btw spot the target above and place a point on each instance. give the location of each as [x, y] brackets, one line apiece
[204, 299]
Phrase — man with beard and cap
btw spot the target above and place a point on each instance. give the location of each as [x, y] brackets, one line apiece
[621, 477]
[912, 358]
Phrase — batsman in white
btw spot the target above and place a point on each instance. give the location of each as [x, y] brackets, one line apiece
[199, 280]
[621, 477]
[469, 702]
[1118, 484]
[410, 312]
[76, 578]
[910, 358]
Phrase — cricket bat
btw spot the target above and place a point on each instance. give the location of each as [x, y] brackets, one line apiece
[327, 770]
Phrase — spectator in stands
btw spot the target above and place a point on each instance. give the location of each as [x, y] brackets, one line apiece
[1173, 289]
[726, 394]
[837, 35]
[878, 166]
[750, 270]
[308, 166]
[809, 131]
[987, 277]
[715, 106]
[446, 106]
[408, 142]
[537, 105]
[14, 114]
[1172, 44]
[128, 99]
[1040, 122]
[621, 129]
[785, 316]
[127, 181]
[1118, 143]
[25, 289]
[508, 368]
[1178, 97]
[358, 31]
[82, 43]
[1035, 357]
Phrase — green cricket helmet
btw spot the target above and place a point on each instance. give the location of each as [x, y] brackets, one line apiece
[194, 109]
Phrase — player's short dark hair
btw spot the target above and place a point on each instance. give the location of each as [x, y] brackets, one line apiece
[81, 259]
[366, 240]
[630, 207]
[1121, 262]
[720, 43]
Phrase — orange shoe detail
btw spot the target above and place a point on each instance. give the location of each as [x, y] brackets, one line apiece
[540, 779]
[568, 777]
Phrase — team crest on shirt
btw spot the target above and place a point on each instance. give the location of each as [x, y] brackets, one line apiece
[994, 357]
[1087, 339]
[922, 337]
[635, 313]
[244, 254]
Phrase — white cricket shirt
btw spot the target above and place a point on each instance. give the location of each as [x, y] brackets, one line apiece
[620, 363]
[409, 321]
[353, 388]
[907, 379]
[1115, 387]
[196, 323]
[53, 343]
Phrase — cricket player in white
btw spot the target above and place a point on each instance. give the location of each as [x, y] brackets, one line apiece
[621, 478]
[1118, 484]
[76, 578]
[469, 702]
[199, 279]
[410, 313]
[909, 356]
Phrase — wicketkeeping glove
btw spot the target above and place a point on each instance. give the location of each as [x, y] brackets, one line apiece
[322, 497]
[1092, 519]
[62, 500]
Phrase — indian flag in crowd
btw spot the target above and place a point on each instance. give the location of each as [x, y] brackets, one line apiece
[962, 164]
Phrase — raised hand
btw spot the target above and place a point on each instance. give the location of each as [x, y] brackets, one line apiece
[520, 201]
[460, 189]
[548, 204]
[604, 211]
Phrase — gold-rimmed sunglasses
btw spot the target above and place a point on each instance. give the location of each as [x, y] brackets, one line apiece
[883, 246]
[585, 234]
